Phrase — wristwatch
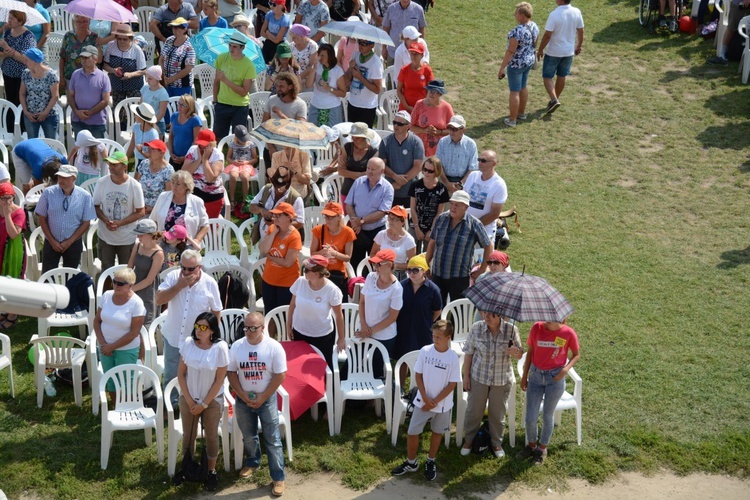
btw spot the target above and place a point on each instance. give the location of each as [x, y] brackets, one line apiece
[204, 405]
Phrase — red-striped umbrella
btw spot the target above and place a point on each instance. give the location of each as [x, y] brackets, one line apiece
[519, 296]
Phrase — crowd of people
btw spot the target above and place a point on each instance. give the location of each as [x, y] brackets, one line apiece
[417, 217]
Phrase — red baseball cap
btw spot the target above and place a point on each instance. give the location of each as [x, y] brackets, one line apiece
[205, 136]
[384, 255]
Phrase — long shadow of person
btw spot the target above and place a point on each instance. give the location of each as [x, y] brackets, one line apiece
[734, 258]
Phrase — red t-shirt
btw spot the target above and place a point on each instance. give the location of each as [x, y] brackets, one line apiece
[414, 83]
[551, 346]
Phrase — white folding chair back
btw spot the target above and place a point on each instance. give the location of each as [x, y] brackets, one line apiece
[255, 298]
[307, 97]
[58, 146]
[313, 218]
[122, 134]
[6, 361]
[156, 341]
[258, 102]
[58, 352]
[390, 77]
[205, 74]
[102, 278]
[52, 49]
[388, 103]
[82, 319]
[278, 317]
[12, 136]
[144, 15]
[460, 312]
[238, 272]
[130, 412]
[93, 264]
[364, 264]
[330, 189]
[231, 324]
[568, 401]
[205, 109]
[351, 319]
[36, 242]
[90, 185]
[150, 49]
[218, 244]
[744, 66]
[361, 383]
[62, 20]
[113, 146]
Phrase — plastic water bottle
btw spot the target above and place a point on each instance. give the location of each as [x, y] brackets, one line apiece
[252, 396]
[49, 387]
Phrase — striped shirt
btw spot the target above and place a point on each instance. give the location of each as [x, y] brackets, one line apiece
[454, 247]
[457, 157]
[490, 363]
[64, 222]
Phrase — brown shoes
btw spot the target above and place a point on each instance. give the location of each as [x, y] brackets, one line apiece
[278, 488]
[246, 472]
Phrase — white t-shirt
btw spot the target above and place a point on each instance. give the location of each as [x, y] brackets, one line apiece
[322, 99]
[83, 163]
[438, 369]
[378, 304]
[199, 177]
[118, 201]
[117, 320]
[401, 58]
[256, 364]
[400, 246]
[187, 305]
[202, 365]
[483, 194]
[313, 315]
[372, 69]
[563, 23]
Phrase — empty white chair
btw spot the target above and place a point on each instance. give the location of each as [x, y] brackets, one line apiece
[327, 398]
[568, 401]
[52, 50]
[150, 48]
[62, 20]
[58, 352]
[461, 313]
[361, 383]
[129, 412]
[278, 317]
[218, 244]
[156, 342]
[82, 319]
[388, 103]
[12, 136]
[205, 109]
[34, 261]
[124, 120]
[6, 361]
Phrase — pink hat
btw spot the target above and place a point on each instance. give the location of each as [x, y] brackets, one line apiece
[177, 232]
[315, 261]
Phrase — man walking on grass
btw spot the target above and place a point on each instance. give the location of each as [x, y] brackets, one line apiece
[563, 38]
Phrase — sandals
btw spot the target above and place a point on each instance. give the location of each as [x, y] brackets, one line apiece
[8, 323]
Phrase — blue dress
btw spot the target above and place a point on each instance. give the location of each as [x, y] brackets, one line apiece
[414, 323]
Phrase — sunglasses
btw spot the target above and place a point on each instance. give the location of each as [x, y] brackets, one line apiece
[381, 264]
[413, 270]
[119, 283]
[482, 160]
[453, 129]
[66, 203]
[399, 124]
[427, 171]
[202, 328]
[493, 262]
[189, 269]
[252, 328]
[330, 217]
[365, 43]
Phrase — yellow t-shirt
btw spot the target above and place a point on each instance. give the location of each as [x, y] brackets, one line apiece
[237, 71]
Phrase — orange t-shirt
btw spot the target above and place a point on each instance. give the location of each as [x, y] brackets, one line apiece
[338, 243]
[273, 273]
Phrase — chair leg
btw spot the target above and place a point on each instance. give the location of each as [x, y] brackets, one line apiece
[238, 444]
[160, 441]
[106, 443]
[460, 416]
[331, 417]
[77, 386]
[10, 374]
[172, 452]
[39, 386]
[397, 414]
[147, 435]
[378, 407]
[388, 411]
[578, 424]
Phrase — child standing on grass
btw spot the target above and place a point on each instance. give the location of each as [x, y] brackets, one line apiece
[544, 373]
[437, 372]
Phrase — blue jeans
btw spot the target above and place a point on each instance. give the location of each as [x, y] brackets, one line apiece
[542, 387]
[48, 126]
[97, 131]
[247, 419]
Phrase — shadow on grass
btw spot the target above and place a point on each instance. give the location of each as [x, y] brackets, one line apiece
[734, 258]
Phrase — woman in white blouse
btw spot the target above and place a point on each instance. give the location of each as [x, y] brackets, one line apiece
[316, 302]
[181, 207]
[379, 304]
[204, 358]
[118, 323]
[397, 239]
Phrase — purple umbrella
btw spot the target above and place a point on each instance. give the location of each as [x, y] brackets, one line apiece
[519, 296]
[101, 10]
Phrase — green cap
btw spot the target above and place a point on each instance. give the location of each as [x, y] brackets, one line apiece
[283, 50]
[118, 157]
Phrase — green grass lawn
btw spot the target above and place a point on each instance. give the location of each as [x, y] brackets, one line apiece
[632, 199]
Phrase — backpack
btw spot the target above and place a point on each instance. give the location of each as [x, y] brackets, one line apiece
[482, 440]
[233, 292]
[409, 398]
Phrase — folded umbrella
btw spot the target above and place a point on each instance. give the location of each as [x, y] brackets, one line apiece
[305, 380]
[519, 296]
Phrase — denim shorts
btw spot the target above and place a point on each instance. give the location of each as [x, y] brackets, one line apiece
[517, 78]
[559, 66]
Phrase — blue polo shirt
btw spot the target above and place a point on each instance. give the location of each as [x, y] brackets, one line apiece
[366, 200]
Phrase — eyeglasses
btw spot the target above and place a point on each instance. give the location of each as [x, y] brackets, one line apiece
[119, 283]
[66, 203]
[493, 262]
[252, 328]
[189, 269]
[427, 171]
[182, 105]
[202, 328]
[399, 124]
[413, 270]
[482, 160]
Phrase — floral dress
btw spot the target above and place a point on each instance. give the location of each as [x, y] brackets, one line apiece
[303, 56]
[153, 183]
[38, 93]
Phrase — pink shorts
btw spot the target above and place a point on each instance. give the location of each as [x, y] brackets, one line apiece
[245, 167]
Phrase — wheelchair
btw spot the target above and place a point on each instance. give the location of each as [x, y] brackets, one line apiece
[648, 13]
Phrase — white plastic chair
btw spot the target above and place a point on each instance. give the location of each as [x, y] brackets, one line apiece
[18, 196]
[205, 109]
[156, 343]
[56, 144]
[218, 244]
[231, 321]
[744, 66]
[461, 313]
[330, 189]
[113, 146]
[364, 264]
[52, 50]
[313, 217]
[205, 74]
[721, 28]
[82, 319]
[71, 139]
[258, 102]
[4, 152]
[351, 319]
[285, 427]
[307, 97]
[144, 15]
[399, 405]
[13, 136]
[174, 428]
[58, 352]
[102, 278]
[568, 401]
[122, 136]
[130, 413]
[255, 299]
[278, 317]
[388, 103]
[93, 264]
[60, 123]
[34, 262]
[62, 20]
[327, 399]
[6, 361]
[390, 77]
[150, 49]
[90, 185]
[361, 383]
